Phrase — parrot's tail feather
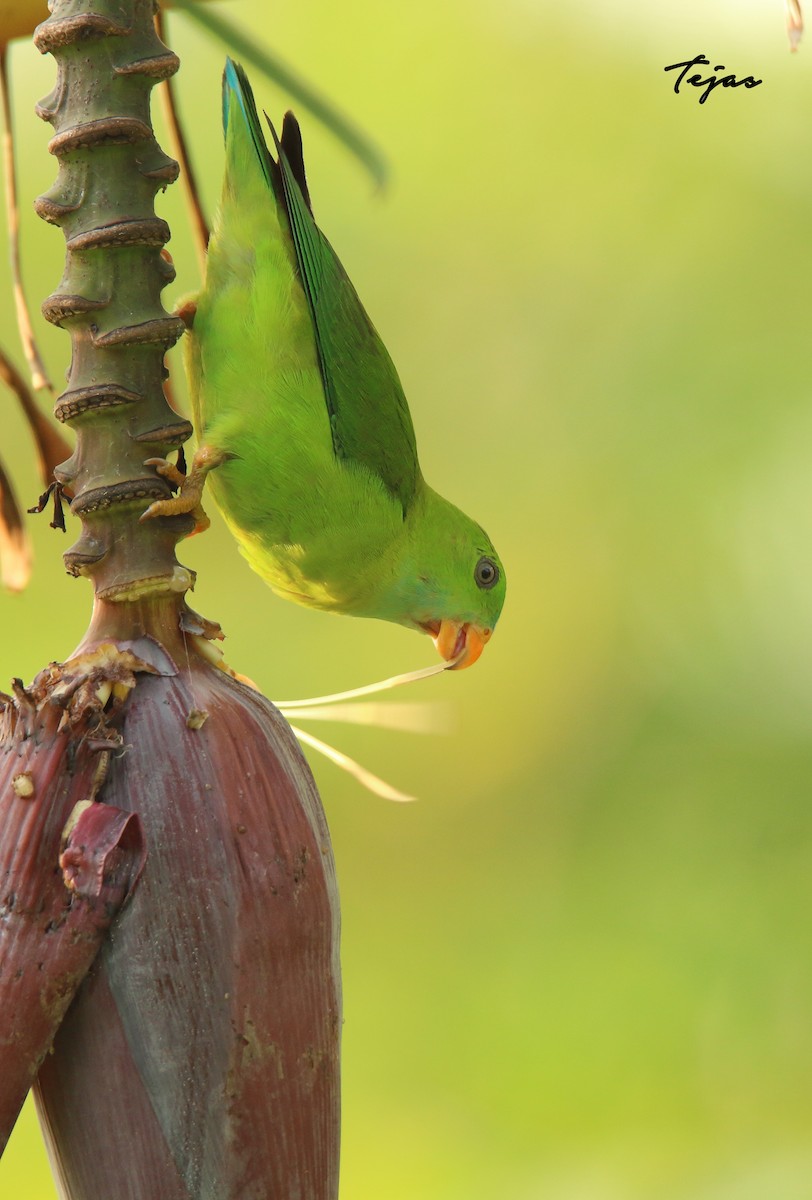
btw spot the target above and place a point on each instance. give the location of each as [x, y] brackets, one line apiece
[238, 96]
[379, 786]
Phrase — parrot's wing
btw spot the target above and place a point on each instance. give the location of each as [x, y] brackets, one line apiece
[369, 416]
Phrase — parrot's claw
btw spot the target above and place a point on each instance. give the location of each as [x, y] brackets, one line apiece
[170, 471]
[188, 499]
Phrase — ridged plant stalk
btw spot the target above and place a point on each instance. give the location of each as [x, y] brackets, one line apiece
[168, 910]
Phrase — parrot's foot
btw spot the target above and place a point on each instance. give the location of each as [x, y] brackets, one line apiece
[190, 486]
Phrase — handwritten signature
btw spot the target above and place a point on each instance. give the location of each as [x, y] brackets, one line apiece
[712, 81]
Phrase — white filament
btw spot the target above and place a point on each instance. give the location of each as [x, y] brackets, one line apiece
[379, 786]
[414, 718]
[424, 717]
[369, 688]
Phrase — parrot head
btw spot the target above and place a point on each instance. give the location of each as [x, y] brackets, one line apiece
[458, 641]
[456, 583]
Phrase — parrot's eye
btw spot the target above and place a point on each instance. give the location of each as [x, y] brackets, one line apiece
[486, 573]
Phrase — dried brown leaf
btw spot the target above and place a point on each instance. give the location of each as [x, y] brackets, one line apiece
[795, 23]
[52, 447]
[15, 548]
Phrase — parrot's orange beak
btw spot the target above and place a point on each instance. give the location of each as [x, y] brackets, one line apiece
[459, 640]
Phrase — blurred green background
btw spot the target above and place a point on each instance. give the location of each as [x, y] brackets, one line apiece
[579, 967]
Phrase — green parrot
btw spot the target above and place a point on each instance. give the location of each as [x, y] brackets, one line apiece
[297, 403]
